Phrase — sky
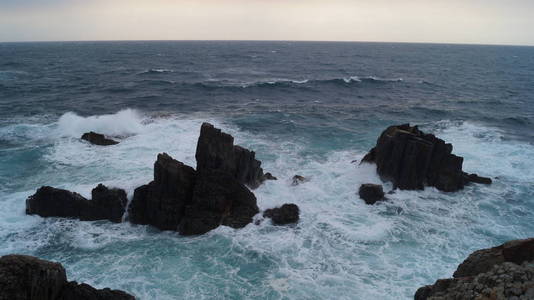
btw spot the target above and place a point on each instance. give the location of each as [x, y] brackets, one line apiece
[435, 21]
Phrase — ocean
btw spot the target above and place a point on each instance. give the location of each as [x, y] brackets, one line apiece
[307, 108]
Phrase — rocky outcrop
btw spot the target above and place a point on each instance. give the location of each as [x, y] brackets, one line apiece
[371, 193]
[285, 214]
[412, 159]
[503, 272]
[191, 202]
[162, 202]
[29, 278]
[52, 202]
[216, 151]
[98, 139]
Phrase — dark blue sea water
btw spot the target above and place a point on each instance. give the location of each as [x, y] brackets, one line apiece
[306, 108]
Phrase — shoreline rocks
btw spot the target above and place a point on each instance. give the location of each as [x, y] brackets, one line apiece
[107, 204]
[98, 139]
[412, 159]
[371, 193]
[283, 215]
[501, 272]
[27, 277]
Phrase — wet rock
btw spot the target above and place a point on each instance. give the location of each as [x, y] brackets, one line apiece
[298, 179]
[98, 139]
[25, 277]
[412, 159]
[516, 251]
[285, 214]
[162, 202]
[107, 204]
[503, 272]
[216, 151]
[477, 179]
[371, 193]
[218, 199]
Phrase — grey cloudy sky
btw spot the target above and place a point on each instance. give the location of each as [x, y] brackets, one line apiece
[440, 21]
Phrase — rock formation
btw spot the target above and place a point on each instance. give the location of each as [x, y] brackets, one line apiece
[98, 139]
[285, 214]
[412, 159]
[29, 278]
[503, 272]
[107, 204]
[371, 193]
[298, 179]
[216, 151]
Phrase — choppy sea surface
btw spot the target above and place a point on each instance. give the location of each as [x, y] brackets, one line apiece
[305, 108]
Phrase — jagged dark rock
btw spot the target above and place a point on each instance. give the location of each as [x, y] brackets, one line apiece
[218, 199]
[107, 204]
[98, 139]
[285, 214]
[191, 202]
[25, 277]
[501, 272]
[477, 179]
[216, 151]
[371, 193]
[412, 159]
[298, 179]
[162, 202]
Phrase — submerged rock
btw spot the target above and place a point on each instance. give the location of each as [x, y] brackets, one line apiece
[502, 272]
[298, 179]
[25, 277]
[412, 159]
[107, 204]
[216, 151]
[98, 139]
[371, 193]
[285, 214]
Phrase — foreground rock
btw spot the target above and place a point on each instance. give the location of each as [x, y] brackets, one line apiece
[371, 193]
[412, 159]
[285, 214]
[107, 204]
[216, 151]
[98, 139]
[25, 277]
[503, 272]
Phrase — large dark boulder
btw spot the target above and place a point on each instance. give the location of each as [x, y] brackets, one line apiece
[285, 214]
[25, 277]
[162, 202]
[371, 193]
[216, 151]
[489, 274]
[412, 159]
[107, 204]
[98, 139]
[218, 199]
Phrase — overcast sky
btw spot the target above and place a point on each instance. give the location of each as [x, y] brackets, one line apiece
[440, 21]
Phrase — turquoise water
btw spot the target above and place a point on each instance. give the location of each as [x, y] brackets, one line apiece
[342, 248]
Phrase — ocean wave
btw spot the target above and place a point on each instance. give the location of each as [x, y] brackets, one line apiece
[155, 71]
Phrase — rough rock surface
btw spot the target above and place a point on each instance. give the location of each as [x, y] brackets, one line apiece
[98, 139]
[218, 199]
[285, 214]
[52, 202]
[412, 159]
[503, 272]
[29, 278]
[192, 202]
[162, 202]
[216, 151]
[371, 193]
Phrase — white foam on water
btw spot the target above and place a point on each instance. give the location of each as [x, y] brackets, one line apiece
[340, 249]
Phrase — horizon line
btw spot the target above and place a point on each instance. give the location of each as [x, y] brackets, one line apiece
[266, 40]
